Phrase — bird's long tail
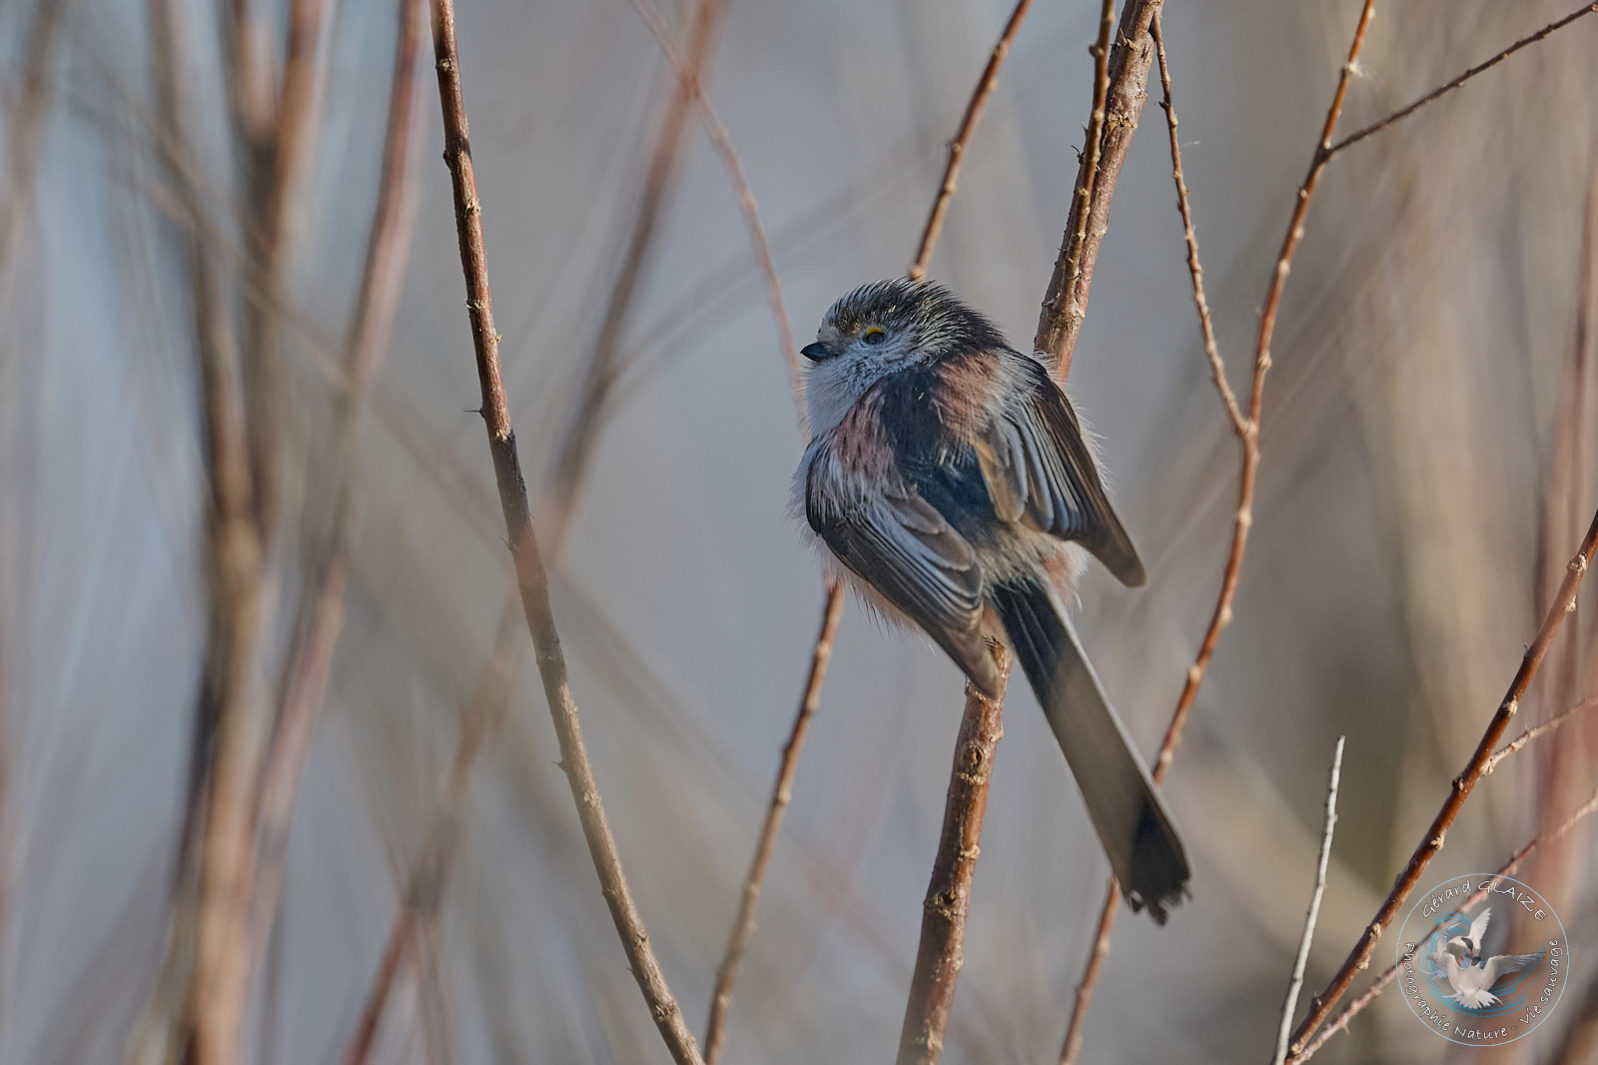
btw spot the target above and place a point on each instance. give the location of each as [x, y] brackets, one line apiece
[1133, 825]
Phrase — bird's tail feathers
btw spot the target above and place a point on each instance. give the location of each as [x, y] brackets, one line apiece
[1122, 802]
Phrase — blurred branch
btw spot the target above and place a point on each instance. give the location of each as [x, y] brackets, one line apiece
[23, 119]
[579, 441]
[1359, 958]
[1348, 1013]
[1296, 984]
[743, 925]
[303, 684]
[277, 163]
[1248, 474]
[1448, 87]
[948, 901]
[690, 82]
[962, 139]
[532, 579]
[1118, 96]
[424, 891]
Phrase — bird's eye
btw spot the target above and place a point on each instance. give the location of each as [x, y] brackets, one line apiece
[874, 336]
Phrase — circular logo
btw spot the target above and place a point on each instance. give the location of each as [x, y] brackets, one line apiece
[1482, 959]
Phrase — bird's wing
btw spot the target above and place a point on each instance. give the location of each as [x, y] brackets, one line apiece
[899, 544]
[1507, 965]
[1039, 472]
[1478, 927]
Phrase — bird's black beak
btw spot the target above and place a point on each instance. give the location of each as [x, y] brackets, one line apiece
[817, 352]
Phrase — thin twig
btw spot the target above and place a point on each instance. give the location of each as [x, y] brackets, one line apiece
[962, 139]
[1296, 984]
[690, 81]
[1553, 724]
[1359, 958]
[1348, 1012]
[1248, 475]
[1195, 269]
[948, 901]
[307, 668]
[743, 925]
[532, 579]
[1448, 87]
[1065, 300]
[424, 888]
[578, 444]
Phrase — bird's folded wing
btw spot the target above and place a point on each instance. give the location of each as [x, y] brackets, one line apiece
[1039, 472]
[900, 545]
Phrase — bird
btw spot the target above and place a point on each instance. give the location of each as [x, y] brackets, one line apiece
[950, 478]
[1468, 945]
[1469, 974]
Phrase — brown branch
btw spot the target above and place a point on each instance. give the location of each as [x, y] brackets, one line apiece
[532, 580]
[1120, 75]
[1248, 475]
[962, 139]
[1356, 1006]
[424, 889]
[948, 901]
[1553, 724]
[1195, 269]
[578, 444]
[303, 683]
[1359, 958]
[1448, 87]
[781, 794]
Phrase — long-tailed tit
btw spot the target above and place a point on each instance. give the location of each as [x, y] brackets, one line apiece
[948, 474]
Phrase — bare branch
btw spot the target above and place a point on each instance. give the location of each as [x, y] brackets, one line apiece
[948, 901]
[1195, 270]
[1348, 1013]
[1120, 76]
[1248, 475]
[1553, 724]
[1448, 87]
[743, 925]
[1302, 959]
[532, 579]
[1359, 958]
[962, 140]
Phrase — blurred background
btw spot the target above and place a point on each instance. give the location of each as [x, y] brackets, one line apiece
[1430, 460]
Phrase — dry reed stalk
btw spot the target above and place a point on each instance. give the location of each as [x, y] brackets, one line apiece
[532, 580]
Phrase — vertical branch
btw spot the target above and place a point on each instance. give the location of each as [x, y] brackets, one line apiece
[948, 901]
[1301, 960]
[962, 140]
[532, 580]
[1247, 430]
[1120, 75]
[578, 444]
[303, 684]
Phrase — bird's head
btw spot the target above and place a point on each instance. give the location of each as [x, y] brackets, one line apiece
[896, 323]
